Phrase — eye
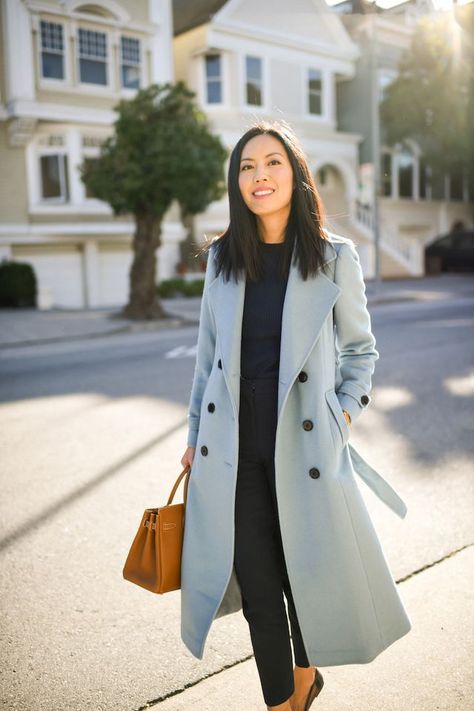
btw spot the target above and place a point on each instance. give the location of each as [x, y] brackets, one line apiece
[274, 160]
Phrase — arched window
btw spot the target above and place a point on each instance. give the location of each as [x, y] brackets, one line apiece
[109, 9]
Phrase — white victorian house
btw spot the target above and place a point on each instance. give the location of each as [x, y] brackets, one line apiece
[274, 59]
[65, 65]
[311, 65]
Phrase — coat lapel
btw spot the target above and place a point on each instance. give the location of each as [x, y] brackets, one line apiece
[305, 308]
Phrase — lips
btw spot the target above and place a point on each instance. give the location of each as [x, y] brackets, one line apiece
[263, 193]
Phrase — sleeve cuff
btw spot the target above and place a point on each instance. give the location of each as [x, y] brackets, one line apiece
[192, 438]
[351, 405]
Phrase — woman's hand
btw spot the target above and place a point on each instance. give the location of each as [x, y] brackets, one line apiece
[188, 456]
[348, 417]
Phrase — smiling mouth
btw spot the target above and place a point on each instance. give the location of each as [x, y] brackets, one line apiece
[263, 193]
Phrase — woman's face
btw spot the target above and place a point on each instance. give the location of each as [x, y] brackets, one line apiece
[265, 175]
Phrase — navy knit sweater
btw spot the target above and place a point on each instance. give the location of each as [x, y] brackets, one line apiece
[261, 325]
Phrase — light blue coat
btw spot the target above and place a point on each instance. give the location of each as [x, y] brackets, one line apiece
[345, 596]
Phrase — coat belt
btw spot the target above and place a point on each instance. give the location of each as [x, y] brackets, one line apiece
[377, 483]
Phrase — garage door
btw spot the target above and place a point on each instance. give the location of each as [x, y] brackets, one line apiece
[115, 260]
[58, 268]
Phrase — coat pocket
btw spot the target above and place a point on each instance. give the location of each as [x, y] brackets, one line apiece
[343, 429]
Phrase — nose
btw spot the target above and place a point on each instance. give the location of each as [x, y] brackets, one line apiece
[258, 177]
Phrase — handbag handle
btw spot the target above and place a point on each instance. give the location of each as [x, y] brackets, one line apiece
[186, 470]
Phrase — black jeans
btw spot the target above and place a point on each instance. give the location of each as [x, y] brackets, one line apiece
[258, 557]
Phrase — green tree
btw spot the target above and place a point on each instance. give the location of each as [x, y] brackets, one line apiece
[162, 150]
[432, 98]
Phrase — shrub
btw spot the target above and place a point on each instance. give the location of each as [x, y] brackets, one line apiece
[180, 287]
[18, 285]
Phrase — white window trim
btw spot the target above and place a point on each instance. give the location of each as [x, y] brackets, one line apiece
[325, 78]
[48, 82]
[125, 90]
[47, 151]
[77, 201]
[265, 83]
[225, 78]
[86, 86]
[414, 187]
[70, 30]
[417, 167]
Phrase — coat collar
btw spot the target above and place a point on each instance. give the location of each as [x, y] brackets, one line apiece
[305, 309]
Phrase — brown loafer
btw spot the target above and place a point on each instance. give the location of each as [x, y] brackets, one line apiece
[316, 687]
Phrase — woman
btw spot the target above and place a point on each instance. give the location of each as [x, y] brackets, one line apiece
[284, 364]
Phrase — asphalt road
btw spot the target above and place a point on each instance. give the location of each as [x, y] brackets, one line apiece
[92, 432]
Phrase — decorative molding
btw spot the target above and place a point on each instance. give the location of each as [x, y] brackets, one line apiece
[21, 131]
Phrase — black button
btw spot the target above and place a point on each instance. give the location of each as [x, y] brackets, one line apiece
[204, 450]
[219, 364]
[364, 399]
[303, 377]
[307, 425]
[211, 407]
[314, 473]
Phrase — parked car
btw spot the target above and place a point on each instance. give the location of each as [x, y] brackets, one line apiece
[453, 252]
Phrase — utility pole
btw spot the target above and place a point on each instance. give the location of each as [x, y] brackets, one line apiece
[375, 147]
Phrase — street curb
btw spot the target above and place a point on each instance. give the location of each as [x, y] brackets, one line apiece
[140, 327]
[166, 323]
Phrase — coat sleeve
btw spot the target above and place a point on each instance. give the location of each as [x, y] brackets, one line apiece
[355, 342]
[204, 355]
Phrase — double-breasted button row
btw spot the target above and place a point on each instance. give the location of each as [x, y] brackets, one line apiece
[308, 425]
[210, 408]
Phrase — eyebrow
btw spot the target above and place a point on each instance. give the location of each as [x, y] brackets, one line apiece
[275, 153]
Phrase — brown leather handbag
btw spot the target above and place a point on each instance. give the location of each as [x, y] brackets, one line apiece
[154, 559]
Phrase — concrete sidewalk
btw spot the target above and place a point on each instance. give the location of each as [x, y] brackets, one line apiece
[24, 327]
[431, 667]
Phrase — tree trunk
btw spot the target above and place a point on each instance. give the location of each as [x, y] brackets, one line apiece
[144, 303]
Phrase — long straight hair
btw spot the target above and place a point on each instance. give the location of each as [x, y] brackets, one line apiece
[238, 247]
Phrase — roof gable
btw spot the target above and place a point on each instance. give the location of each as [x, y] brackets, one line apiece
[311, 22]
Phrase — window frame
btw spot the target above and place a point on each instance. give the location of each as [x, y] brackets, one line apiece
[308, 91]
[207, 54]
[128, 89]
[88, 86]
[42, 50]
[263, 107]
[399, 154]
[64, 178]
[50, 82]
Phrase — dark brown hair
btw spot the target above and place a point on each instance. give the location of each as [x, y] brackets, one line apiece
[238, 247]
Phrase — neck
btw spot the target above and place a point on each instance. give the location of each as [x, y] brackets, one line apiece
[271, 228]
